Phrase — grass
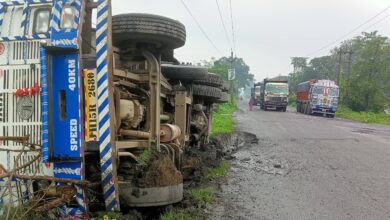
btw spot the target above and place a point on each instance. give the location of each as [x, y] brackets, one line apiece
[222, 120]
[367, 117]
[203, 196]
[219, 171]
[176, 215]
[144, 158]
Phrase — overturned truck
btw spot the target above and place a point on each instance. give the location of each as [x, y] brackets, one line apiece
[96, 119]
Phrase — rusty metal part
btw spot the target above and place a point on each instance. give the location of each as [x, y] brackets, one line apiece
[23, 139]
[170, 131]
[178, 153]
[182, 113]
[117, 95]
[136, 134]
[131, 113]
[127, 154]
[154, 70]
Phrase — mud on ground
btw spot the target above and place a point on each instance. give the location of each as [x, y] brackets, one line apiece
[194, 167]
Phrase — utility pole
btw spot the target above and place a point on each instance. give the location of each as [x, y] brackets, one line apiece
[339, 67]
[339, 70]
[231, 76]
[348, 71]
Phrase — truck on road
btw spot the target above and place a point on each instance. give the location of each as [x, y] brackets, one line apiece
[256, 92]
[317, 97]
[274, 94]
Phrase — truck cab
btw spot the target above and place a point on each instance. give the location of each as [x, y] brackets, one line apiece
[274, 95]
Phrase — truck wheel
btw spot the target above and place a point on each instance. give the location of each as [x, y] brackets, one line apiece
[207, 93]
[210, 79]
[225, 87]
[181, 72]
[284, 109]
[224, 99]
[309, 110]
[164, 32]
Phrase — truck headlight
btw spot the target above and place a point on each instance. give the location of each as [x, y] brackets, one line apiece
[67, 17]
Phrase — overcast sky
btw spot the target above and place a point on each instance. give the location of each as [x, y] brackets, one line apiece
[267, 32]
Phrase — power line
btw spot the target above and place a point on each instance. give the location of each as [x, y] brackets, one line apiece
[200, 27]
[223, 24]
[384, 18]
[233, 35]
[350, 32]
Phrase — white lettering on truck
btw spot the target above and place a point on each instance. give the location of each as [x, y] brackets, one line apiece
[72, 74]
[73, 135]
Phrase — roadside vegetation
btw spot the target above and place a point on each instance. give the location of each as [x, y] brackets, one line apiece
[218, 172]
[203, 196]
[367, 117]
[222, 119]
[292, 101]
[176, 215]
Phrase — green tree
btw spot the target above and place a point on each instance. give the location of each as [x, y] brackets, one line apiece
[243, 77]
[368, 82]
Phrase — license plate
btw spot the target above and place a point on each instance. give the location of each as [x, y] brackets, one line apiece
[324, 110]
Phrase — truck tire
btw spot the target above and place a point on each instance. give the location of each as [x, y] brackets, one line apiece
[181, 72]
[207, 93]
[211, 79]
[164, 32]
[224, 99]
[284, 109]
[225, 87]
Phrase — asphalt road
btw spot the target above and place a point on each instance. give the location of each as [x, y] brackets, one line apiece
[307, 167]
